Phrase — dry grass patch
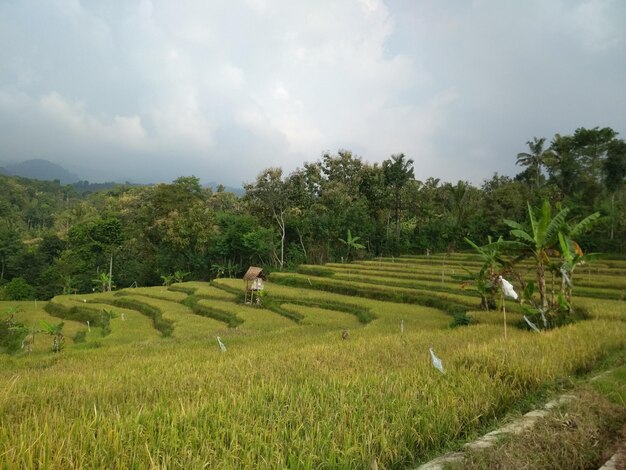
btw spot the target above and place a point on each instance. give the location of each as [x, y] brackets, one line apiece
[578, 435]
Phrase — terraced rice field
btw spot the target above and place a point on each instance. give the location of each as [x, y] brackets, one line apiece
[289, 392]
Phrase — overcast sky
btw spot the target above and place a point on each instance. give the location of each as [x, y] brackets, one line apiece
[151, 90]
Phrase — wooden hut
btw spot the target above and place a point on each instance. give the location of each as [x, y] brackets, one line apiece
[253, 281]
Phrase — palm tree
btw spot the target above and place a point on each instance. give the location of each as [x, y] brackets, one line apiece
[536, 158]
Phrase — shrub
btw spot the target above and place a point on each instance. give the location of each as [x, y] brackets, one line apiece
[19, 289]
[80, 336]
[11, 334]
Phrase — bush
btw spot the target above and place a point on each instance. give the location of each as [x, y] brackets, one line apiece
[11, 334]
[19, 289]
[79, 314]
[80, 336]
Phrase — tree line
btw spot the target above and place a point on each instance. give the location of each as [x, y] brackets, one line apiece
[55, 240]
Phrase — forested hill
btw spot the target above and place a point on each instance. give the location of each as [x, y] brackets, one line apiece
[54, 239]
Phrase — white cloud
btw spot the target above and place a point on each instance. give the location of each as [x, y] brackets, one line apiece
[121, 131]
[231, 87]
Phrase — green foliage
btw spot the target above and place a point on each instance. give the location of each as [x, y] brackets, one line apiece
[179, 276]
[312, 270]
[12, 332]
[80, 336]
[56, 331]
[105, 321]
[18, 289]
[77, 313]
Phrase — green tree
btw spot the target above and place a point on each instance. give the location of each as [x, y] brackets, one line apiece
[18, 289]
[268, 197]
[614, 174]
[398, 171]
[536, 159]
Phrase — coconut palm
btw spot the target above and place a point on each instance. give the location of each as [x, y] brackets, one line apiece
[536, 158]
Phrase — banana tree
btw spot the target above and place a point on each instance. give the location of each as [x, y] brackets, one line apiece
[104, 280]
[352, 243]
[538, 240]
[572, 255]
[485, 279]
[58, 340]
[179, 276]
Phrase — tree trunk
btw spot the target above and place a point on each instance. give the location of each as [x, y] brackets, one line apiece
[541, 284]
[110, 271]
[398, 215]
[306, 257]
[612, 215]
[280, 218]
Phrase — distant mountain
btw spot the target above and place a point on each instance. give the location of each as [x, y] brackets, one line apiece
[40, 170]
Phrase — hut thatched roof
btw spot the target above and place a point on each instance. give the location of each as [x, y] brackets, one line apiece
[252, 273]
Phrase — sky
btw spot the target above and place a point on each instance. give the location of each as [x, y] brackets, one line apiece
[149, 90]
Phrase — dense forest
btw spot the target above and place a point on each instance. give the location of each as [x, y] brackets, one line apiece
[61, 239]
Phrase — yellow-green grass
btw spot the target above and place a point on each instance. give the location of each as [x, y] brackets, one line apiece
[445, 300]
[327, 403]
[187, 325]
[496, 317]
[388, 314]
[603, 309]
[603, 283]
[284, 394]
[329, 319]
[160, 292]
[596, 286]
[31, 314]
[204, 289]
[133, 327]
[255, 319]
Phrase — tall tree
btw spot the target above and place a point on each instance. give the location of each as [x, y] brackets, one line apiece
[268, 196]
[398, 171]
[614, 173]
[536, 159]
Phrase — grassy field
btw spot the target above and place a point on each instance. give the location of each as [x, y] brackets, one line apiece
[157, 392]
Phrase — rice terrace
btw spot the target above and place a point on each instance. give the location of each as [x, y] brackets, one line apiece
[146, 384]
